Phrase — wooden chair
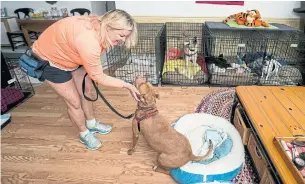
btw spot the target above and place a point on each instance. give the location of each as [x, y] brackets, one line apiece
[81, 11]
[25, 11]
[12, 35]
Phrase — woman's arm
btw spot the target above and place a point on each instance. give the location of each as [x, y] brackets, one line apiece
[90, 52]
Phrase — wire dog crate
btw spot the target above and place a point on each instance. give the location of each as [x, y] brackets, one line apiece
[251, 56]
[184, 63]
[287, 51]
[144, 59]
[16, 90]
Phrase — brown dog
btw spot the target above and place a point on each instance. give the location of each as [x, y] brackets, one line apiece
[174, 149]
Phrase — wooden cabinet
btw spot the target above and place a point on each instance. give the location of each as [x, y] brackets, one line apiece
[256, 155]
[270, 112]
[241, 126]
[267, 178]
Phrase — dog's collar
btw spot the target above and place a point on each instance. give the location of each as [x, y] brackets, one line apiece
[148, 115]
[186, 54]
[145, 108]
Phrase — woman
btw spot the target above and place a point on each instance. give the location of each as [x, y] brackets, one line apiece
[72, 47]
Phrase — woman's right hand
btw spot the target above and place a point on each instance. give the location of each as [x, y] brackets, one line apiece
[133, 90]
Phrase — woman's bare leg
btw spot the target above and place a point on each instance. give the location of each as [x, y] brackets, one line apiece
[76, 114]
[87, 106]
[69, 93]
[78, 76]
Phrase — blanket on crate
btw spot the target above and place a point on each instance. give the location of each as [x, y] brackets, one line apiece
[175, 71]
[180, 66]
[235, 25]
[143, 65]
[247, 69]
[286, 75]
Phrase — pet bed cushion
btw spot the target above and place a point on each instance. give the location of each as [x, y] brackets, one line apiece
[9, 96]
[235, 25]
[228, 155]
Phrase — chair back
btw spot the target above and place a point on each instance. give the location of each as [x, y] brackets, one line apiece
[25, 11]
[81, 11]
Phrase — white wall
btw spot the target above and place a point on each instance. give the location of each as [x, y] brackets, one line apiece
[270, 9]
[98, 7]
[12, 5]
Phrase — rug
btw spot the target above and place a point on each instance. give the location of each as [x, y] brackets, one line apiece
[219, 103]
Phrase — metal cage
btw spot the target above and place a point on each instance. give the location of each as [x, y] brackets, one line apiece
[253, 56]
[18, 89]
[287, 49]
[183, 63]
[144, 59]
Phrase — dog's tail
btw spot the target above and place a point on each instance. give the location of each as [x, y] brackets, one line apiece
[204, 157]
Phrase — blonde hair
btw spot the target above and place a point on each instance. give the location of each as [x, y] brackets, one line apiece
[118, 20]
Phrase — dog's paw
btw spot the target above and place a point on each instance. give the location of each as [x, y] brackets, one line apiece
[130, 151]
[154, 168]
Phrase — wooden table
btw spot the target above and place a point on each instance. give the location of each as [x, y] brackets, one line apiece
[274, 111]
[35, 24]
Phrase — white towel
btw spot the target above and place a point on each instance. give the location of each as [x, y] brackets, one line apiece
[201, 146]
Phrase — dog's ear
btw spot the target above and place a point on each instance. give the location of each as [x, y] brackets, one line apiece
[195, 40]
[268, 57]
[157, 95]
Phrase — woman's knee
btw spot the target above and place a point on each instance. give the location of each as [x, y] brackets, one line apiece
[90, 91]
[74, 103]
[68, 92]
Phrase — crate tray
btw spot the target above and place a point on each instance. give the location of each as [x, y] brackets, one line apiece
[296, 173]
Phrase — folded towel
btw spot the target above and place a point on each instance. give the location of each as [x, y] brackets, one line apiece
[5, 118]
[221, 151]
[222, 143]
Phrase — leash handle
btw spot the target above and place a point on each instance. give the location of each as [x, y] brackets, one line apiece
[104, 99]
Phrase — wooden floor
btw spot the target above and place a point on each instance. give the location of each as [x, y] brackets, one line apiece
[41, 145]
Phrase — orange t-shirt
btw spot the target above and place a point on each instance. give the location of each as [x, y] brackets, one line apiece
[71, 42]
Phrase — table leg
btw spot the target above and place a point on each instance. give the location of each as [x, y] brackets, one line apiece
[6, 24]
[27, 36]
[235, 102]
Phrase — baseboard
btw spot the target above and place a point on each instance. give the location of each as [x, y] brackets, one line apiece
[292, 22]
[5, 45]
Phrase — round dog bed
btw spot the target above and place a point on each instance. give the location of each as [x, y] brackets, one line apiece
[228, 155]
